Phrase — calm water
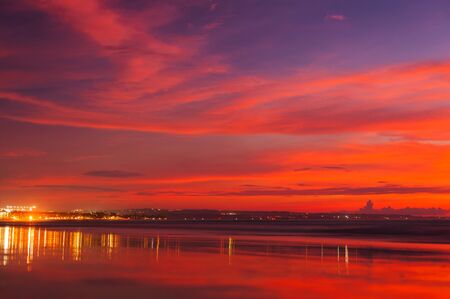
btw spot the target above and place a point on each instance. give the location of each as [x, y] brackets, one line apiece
[148, 263]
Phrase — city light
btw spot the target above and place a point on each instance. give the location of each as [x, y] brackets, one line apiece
[32, 214]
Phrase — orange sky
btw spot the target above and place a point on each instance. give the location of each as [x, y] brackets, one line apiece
[236, 105]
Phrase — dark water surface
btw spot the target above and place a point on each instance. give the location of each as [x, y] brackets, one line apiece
[125, 262]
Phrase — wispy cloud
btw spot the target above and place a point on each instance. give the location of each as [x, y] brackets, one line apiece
[113, 174]
[79, 188]
[213, 6]
[335, 17]
[213, 25]
[88, 157]
[372, 105]
[325, 167]
[146, 193]
[370, 190]
[21, 153]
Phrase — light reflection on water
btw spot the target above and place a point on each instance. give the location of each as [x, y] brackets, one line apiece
[112, 264]
[25, 243]
[21, 245]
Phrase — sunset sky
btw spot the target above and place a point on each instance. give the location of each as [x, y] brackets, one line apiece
[261, 105]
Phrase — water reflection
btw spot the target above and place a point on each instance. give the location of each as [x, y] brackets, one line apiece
[22, 245]
[265, 265]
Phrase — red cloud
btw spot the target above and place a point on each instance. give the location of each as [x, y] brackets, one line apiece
[400, 100]
[21, 153]
[335, 17]
[164, 83]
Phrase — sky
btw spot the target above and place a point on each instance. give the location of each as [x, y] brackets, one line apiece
[247, 104]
